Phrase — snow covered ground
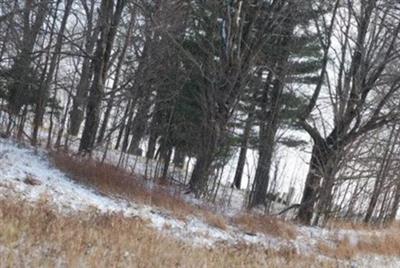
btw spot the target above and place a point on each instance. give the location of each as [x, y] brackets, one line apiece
[26, 174]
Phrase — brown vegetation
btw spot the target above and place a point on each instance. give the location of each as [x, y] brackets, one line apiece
[266, 224]
[110, 180]
[38, 237]
[380, 244]
[113, 181]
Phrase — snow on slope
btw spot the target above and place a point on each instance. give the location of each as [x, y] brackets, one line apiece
[17, 163]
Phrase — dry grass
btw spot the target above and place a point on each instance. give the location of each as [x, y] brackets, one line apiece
[35, 236]
[336, 224]
[349, 225]
[110, 180]
[375, 244]
[267, 225]
[214, 220]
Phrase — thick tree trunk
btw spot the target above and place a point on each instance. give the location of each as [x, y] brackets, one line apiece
[93, 108]
[77, 112]
[82, 89]
[138, 128]
[312, 185]
[325, 195]
[268, 129]
[201, 171]
[103, 51]
[261, 180]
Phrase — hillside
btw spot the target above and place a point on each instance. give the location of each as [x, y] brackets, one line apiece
[50, 219]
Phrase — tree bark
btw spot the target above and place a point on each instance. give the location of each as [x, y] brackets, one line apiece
[313, 182]
[115, 82]
[109, 23]
[199, 179]
[243, 149]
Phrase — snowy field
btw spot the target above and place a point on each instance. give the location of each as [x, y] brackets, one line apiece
[26, 174]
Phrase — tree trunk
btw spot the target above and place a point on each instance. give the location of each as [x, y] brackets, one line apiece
[179, 158]
[325, 195]
[312, 185]
[108, 24]
[167, 160]
[79, 100]
[151, 148]
[261, 180]
[123, 126]
[396, 201]
[202, 168]
[154, 133]
[382, 174]
[115, 82]
[62, 123]
[243, 151]
[268, 129]
[139, 122]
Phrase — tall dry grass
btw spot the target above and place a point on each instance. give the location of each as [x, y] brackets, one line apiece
[110, 180]
[266, 224]
[380, 244]
[36, 236]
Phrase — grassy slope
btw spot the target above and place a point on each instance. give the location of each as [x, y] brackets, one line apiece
[33, 236]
